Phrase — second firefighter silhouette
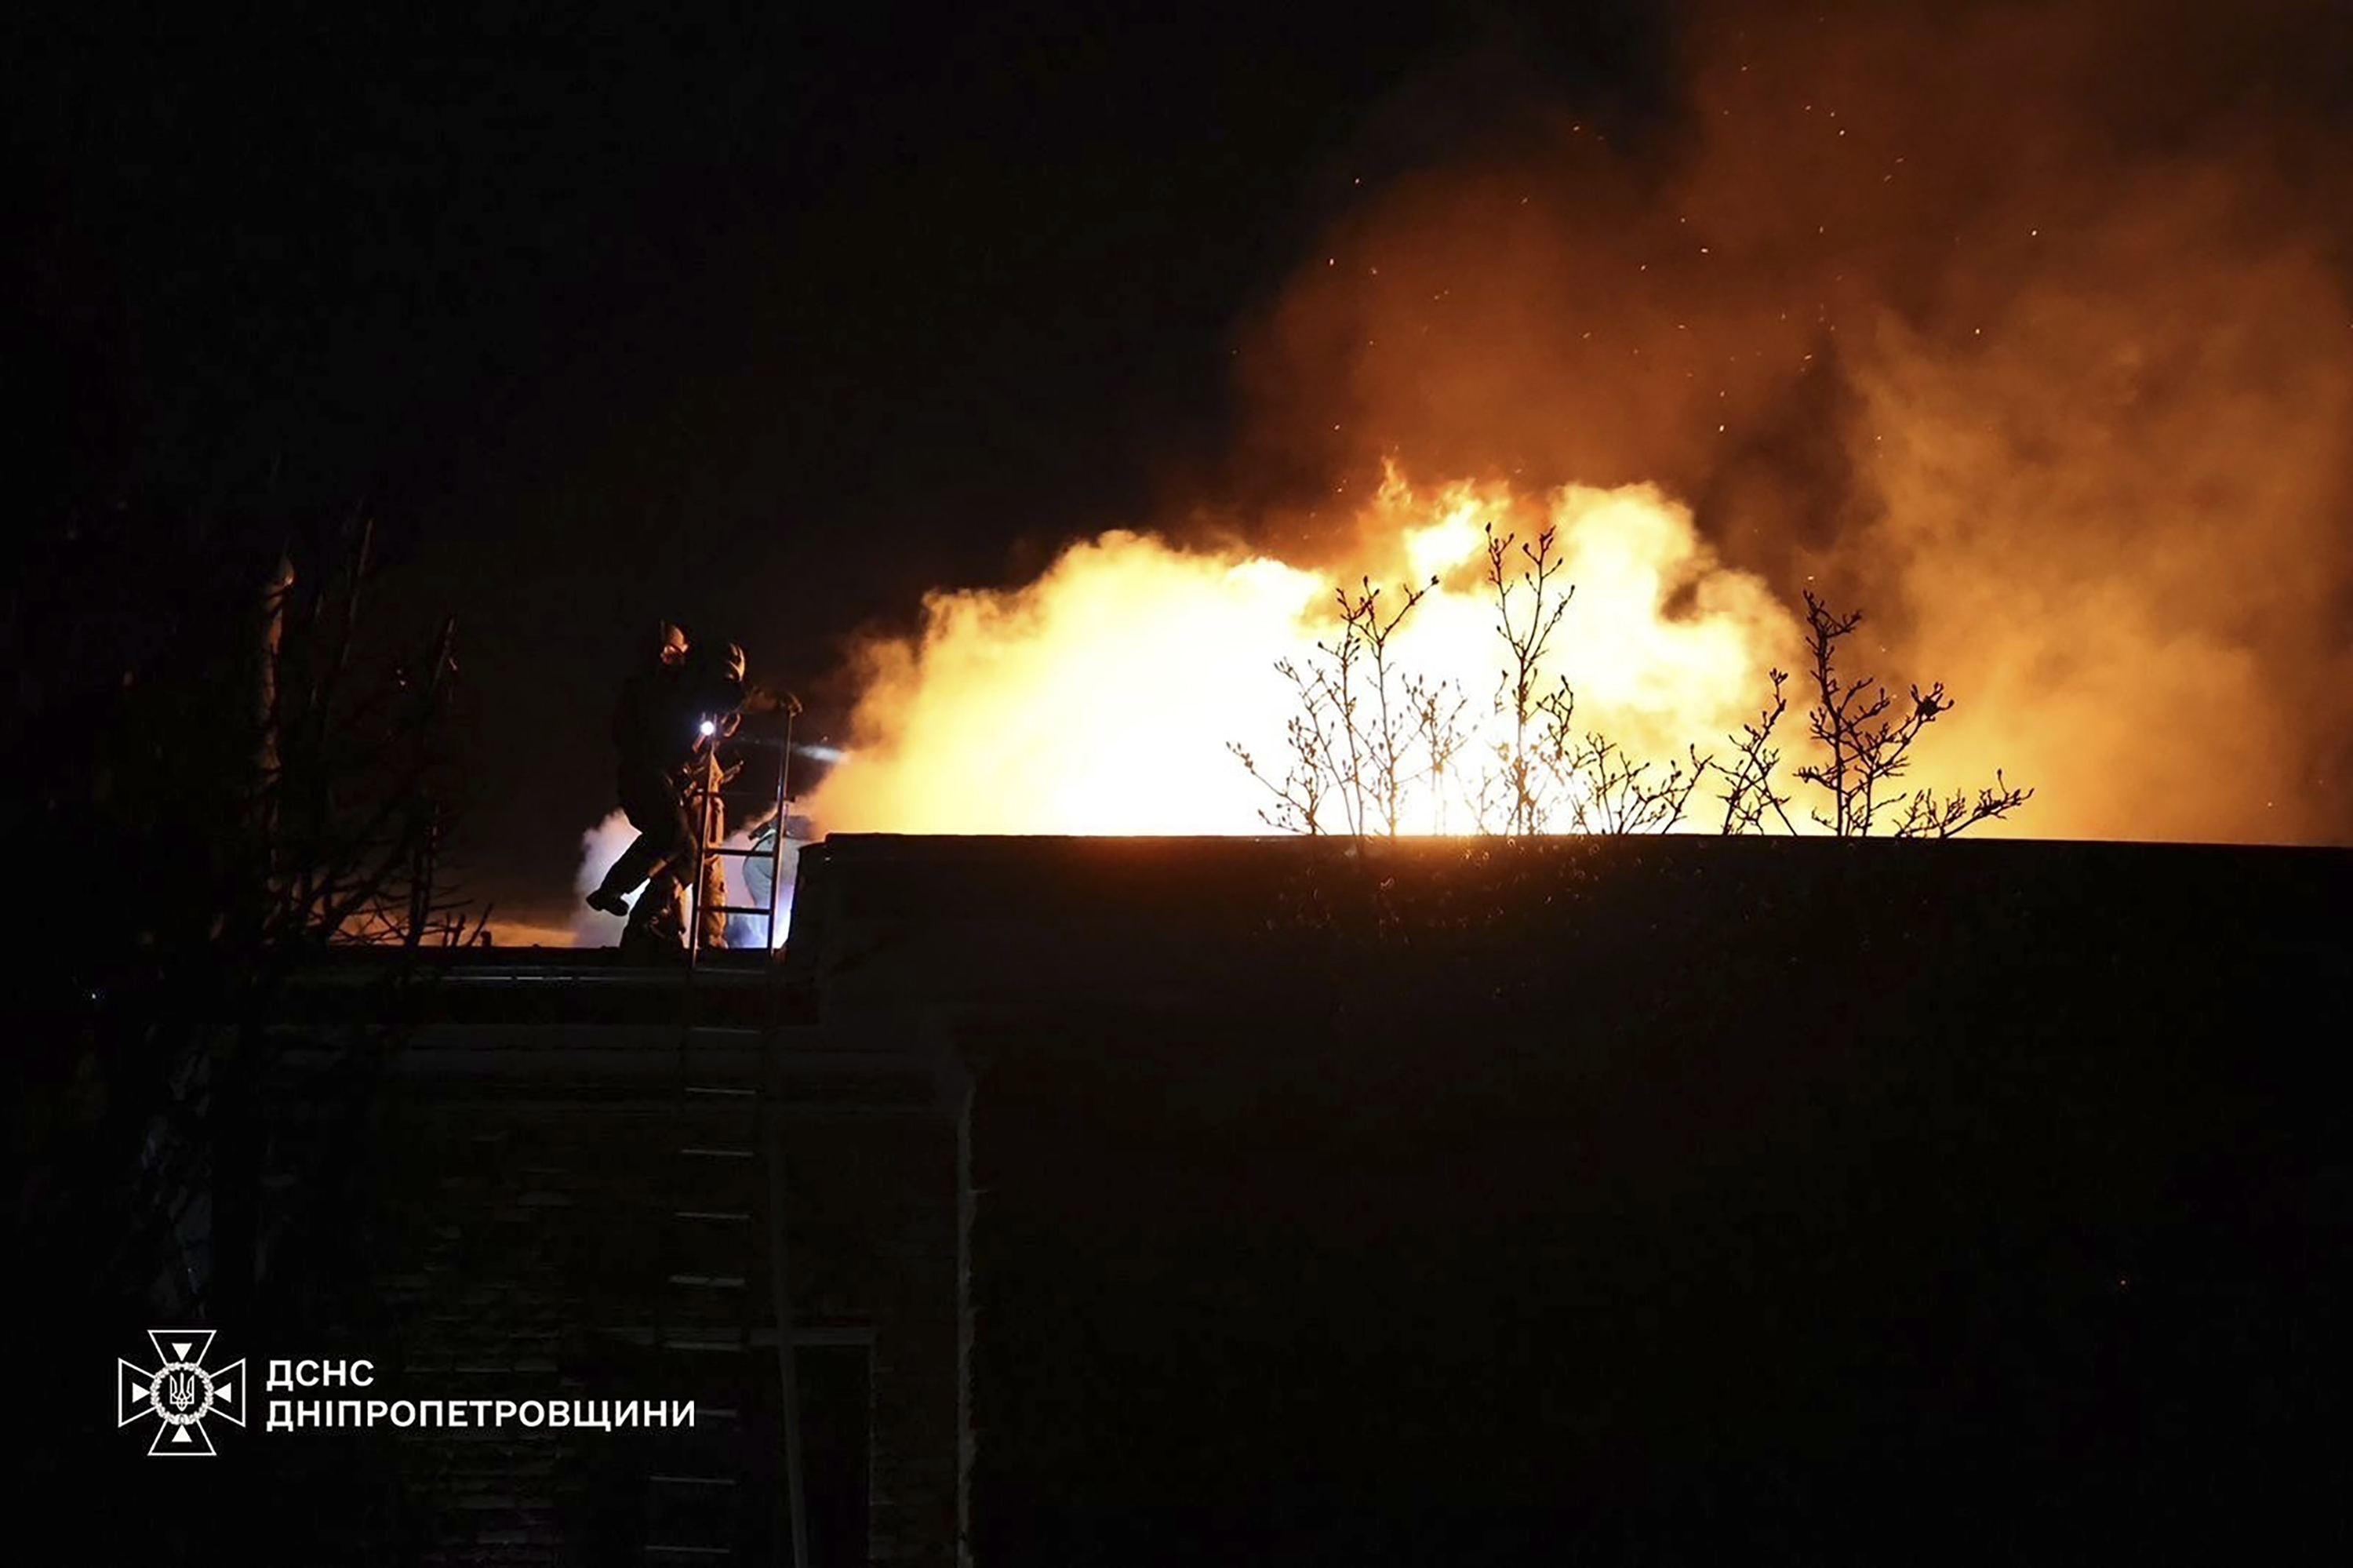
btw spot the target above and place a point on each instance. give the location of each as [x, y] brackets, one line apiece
[674, 709]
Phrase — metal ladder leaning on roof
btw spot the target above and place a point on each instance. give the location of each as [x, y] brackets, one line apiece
[710, 1497]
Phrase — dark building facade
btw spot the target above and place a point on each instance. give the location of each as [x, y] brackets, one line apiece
[1187, 1200]
[575, 1178]
[1635, 1200]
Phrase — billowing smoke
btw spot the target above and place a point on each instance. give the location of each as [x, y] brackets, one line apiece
[603, 845]
[2026, 329]
[600, 846]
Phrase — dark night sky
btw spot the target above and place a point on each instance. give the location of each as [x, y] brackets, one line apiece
[765, 320]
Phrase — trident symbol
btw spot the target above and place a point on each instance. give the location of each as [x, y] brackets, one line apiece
[181, 1394]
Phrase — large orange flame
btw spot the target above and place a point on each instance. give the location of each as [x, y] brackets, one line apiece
[1101, 698]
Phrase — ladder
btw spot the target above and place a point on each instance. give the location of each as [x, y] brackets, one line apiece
[711, 1491]
[711, 851]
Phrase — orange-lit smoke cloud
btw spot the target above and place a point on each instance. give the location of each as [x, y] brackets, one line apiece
[2026, 330]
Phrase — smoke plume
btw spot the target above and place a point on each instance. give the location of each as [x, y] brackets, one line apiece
[2025, 329]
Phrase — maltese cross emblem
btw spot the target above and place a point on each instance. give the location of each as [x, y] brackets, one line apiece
[181, 1393]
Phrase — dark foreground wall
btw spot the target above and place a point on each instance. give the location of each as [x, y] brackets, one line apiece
[1226, 1202]
[1671, 1200]
[522, 1180]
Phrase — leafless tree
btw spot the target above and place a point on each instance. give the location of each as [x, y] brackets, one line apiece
[313, 808]
[1317, 765]
[1550, 772]
[1435, 709]
[357, 782]
[1925, 816]
[1614, 792]
[1748, 791]
[1529, 607]
[1867, 737]
[1365, 734]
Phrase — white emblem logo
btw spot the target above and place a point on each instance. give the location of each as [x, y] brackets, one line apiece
[181, 1393]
